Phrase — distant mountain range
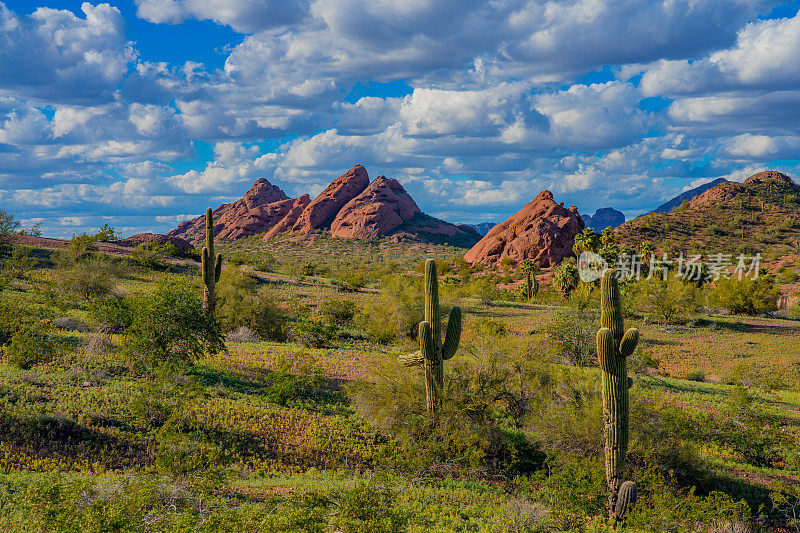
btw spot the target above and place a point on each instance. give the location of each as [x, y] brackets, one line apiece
[603, 218]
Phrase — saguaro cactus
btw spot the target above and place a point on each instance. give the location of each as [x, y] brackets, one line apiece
[433, 352]
[212, 266]
[613, 347]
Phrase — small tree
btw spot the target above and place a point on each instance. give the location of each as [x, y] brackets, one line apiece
[170, 326]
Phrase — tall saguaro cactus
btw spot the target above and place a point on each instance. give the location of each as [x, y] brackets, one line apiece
[614, 345]
[212, 266]
[433, 352]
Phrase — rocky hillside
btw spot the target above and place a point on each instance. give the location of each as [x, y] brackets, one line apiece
[666, 207]
[350, 207]
[760, 215]
[542, 230]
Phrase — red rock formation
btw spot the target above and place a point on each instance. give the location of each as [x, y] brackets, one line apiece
[382, 206]
[542, 230]
[321, 212]
[285, 224]
[259, 209]
[180, 244]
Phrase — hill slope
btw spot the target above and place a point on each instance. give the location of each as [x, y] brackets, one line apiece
[760, 215]
[688, 195]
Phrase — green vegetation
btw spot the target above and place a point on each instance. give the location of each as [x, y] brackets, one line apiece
[125, 407]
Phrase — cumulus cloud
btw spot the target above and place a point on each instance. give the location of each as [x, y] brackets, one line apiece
[245, 16]
[766, 55]
[56, 55]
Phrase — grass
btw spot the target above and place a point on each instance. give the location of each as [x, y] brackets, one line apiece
[278, 416]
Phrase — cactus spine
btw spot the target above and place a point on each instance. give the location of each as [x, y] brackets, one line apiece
[433, 352]
[613, 348]
[212, 266]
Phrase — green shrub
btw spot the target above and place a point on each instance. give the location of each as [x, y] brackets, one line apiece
[15, 316]
[395, 313]
[337, 311]
[313, 332]
[241, 303]
[696, 375]
[368, 505]
[747, 296]
[671, 300]
[169, 326]
[571, 335]
[90, 277]
[20, 264]
[110, 314]
[30, 346]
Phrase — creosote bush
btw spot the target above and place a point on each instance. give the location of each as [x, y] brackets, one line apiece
[571, 335]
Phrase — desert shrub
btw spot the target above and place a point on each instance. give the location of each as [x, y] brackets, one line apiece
[263, 260]
[97, 345]
[30, 346]
[78, 249]
[489, 327]
[20, 264]
[489, 389]
[349, 280]
[670, 300]
[337, 311]
[571, 335]
[696, 375]
[86, 279]
[241, 303]
[746, 296]
[16, 315]
[395, 313]
[147, 257]
[313, 332]
[366, 505]
[169, 326]
[242, 334]
[110, 314]
[70, 324]
[485, 290]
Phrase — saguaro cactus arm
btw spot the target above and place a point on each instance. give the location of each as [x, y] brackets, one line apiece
[453, 335]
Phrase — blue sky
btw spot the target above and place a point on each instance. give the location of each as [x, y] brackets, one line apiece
[142, 113]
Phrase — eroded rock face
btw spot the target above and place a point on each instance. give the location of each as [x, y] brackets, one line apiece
[323, 210]
[375, 212]
[181, 245]
[298, 205]
[256, 212]
[542, 230]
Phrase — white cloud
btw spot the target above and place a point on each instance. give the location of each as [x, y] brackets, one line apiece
[766, 55]
[56, 55]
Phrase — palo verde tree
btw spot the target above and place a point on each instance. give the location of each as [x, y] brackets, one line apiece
[212, 266]
[433, 352]
[614, 345]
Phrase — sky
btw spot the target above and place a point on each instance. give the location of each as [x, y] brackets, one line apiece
[142, 113]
